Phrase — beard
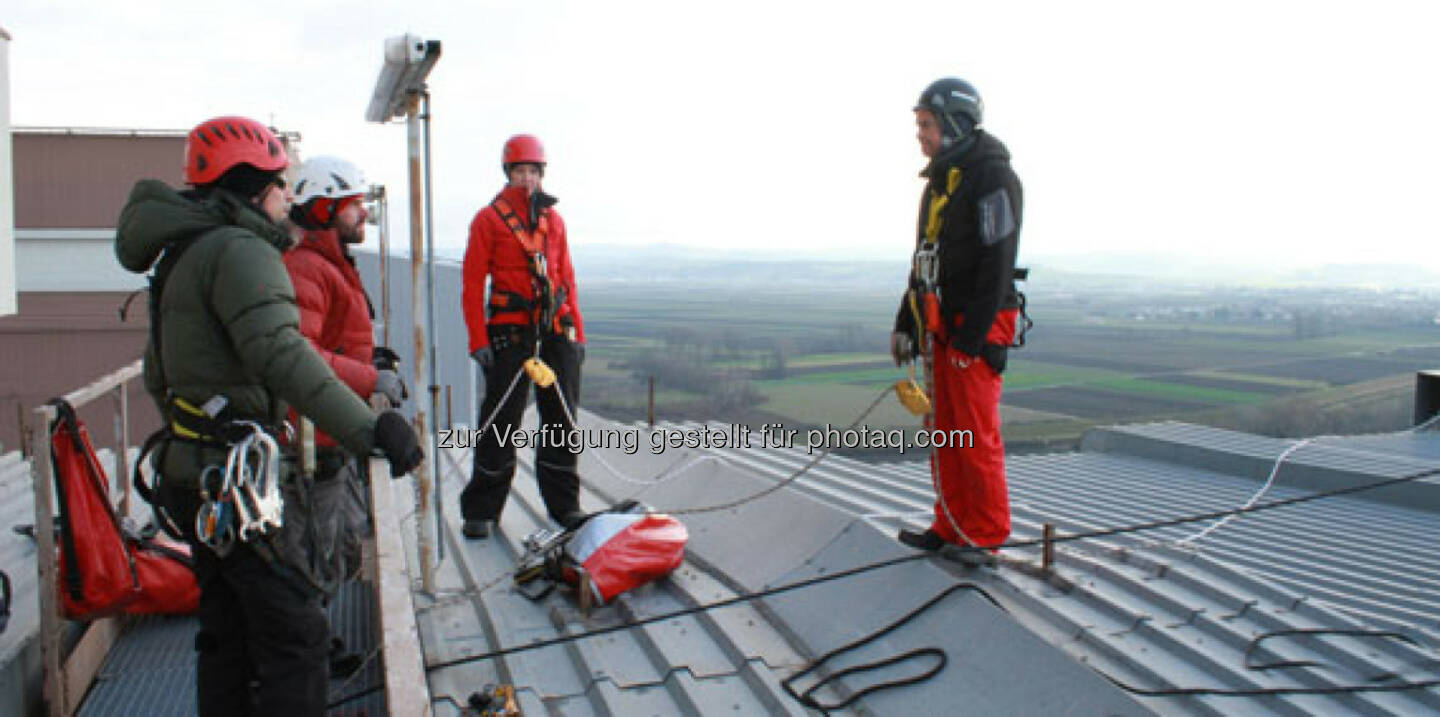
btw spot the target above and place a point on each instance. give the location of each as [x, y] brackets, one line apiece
[353, 234]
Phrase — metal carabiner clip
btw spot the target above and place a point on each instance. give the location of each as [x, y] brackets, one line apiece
[927, 265]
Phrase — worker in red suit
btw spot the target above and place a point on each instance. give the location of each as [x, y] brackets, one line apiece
[519, 250]
[959, 313]
[338, 318]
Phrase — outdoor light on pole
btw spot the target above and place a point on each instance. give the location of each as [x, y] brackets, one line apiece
[400, 91]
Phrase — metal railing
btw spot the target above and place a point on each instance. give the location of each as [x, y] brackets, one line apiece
[68, 675]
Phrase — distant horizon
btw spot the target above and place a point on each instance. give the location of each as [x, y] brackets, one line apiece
[609, 259]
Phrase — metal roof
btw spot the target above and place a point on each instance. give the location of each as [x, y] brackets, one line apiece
[733, 658]
[19, 651]
[1138, 608]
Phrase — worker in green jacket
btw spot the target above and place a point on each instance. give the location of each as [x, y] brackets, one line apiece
[225, 348]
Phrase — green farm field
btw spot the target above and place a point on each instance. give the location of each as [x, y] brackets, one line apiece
[812, 357]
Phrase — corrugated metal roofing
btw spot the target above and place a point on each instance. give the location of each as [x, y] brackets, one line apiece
[1138, 608]
[732, 659]
[1157, 615]
[19, 652]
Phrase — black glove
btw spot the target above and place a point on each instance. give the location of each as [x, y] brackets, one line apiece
[396, 439]
[385, 359]
[902, 347]
[579, 353]
[389, 385]
[484, 356]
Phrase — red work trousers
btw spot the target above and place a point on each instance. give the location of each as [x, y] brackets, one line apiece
[972, 503]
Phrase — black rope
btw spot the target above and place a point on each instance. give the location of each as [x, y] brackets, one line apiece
[372, 689]
[1170, 522]
[807, 697]
[677, 613]
[1265, 691]
[896, 561]
[1255, 644]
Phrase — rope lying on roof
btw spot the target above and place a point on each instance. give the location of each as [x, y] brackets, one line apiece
[805, 698]
[1264, 691]
[746, 597]
[904, 559]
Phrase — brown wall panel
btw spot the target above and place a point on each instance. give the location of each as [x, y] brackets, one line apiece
[75, 181]
[59, 342]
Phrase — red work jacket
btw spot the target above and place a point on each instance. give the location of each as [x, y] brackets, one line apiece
[496, 254]
[334, 311]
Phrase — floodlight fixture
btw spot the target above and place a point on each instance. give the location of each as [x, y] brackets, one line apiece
[408, 61]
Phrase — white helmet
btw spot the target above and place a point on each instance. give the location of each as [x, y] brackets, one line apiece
[328, 178]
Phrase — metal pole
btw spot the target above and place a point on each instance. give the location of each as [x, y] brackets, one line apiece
[435, 472]
[1047, 547]
[382, 205]
[418, 324]
[449, 410]
[122, 436]
[20, 428]
[651, 412]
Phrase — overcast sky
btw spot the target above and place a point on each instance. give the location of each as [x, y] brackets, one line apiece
[1231, 133]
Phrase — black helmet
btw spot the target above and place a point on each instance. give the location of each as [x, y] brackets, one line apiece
[956, 103]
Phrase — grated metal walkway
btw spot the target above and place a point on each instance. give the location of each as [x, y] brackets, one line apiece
[151, 669]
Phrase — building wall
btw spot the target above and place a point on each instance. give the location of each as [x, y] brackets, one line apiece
[60, 341]
[69, 186]
[79, 179]
[7, 188]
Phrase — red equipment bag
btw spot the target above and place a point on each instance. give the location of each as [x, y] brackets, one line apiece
[622, 551]
[167, 585]
[102, 571]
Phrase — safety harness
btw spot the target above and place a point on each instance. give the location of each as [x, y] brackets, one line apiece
[924, 297]
[241, 499]
[543, 310]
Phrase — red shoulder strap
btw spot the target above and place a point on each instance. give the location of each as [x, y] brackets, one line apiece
[533, 244]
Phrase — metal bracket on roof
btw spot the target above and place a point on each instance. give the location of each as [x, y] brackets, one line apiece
[1244, 608]
[1140, 619]
[1189, 619]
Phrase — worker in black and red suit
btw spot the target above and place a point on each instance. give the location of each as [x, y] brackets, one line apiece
[960, 311]
[518, 247]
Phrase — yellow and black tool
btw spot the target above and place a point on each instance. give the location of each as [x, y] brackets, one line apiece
[494, 701]
[912, 394]
[541, 374]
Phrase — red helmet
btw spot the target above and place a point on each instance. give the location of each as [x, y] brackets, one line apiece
[216, 145]
[522, 148]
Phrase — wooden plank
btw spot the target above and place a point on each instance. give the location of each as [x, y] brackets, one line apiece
[50, 623]
[122, 437]
[84, 661]
[407, 693]
[100, 386]
[66, 678]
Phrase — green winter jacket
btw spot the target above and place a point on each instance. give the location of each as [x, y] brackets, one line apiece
[229, 322]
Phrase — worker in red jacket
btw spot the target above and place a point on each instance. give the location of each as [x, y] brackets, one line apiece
[519, 249]
[337, 317]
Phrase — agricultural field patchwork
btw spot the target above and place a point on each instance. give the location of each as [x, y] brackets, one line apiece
[819, 357]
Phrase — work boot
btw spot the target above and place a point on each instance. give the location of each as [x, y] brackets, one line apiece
[477, 529]
[574, 519]
[928, 540]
